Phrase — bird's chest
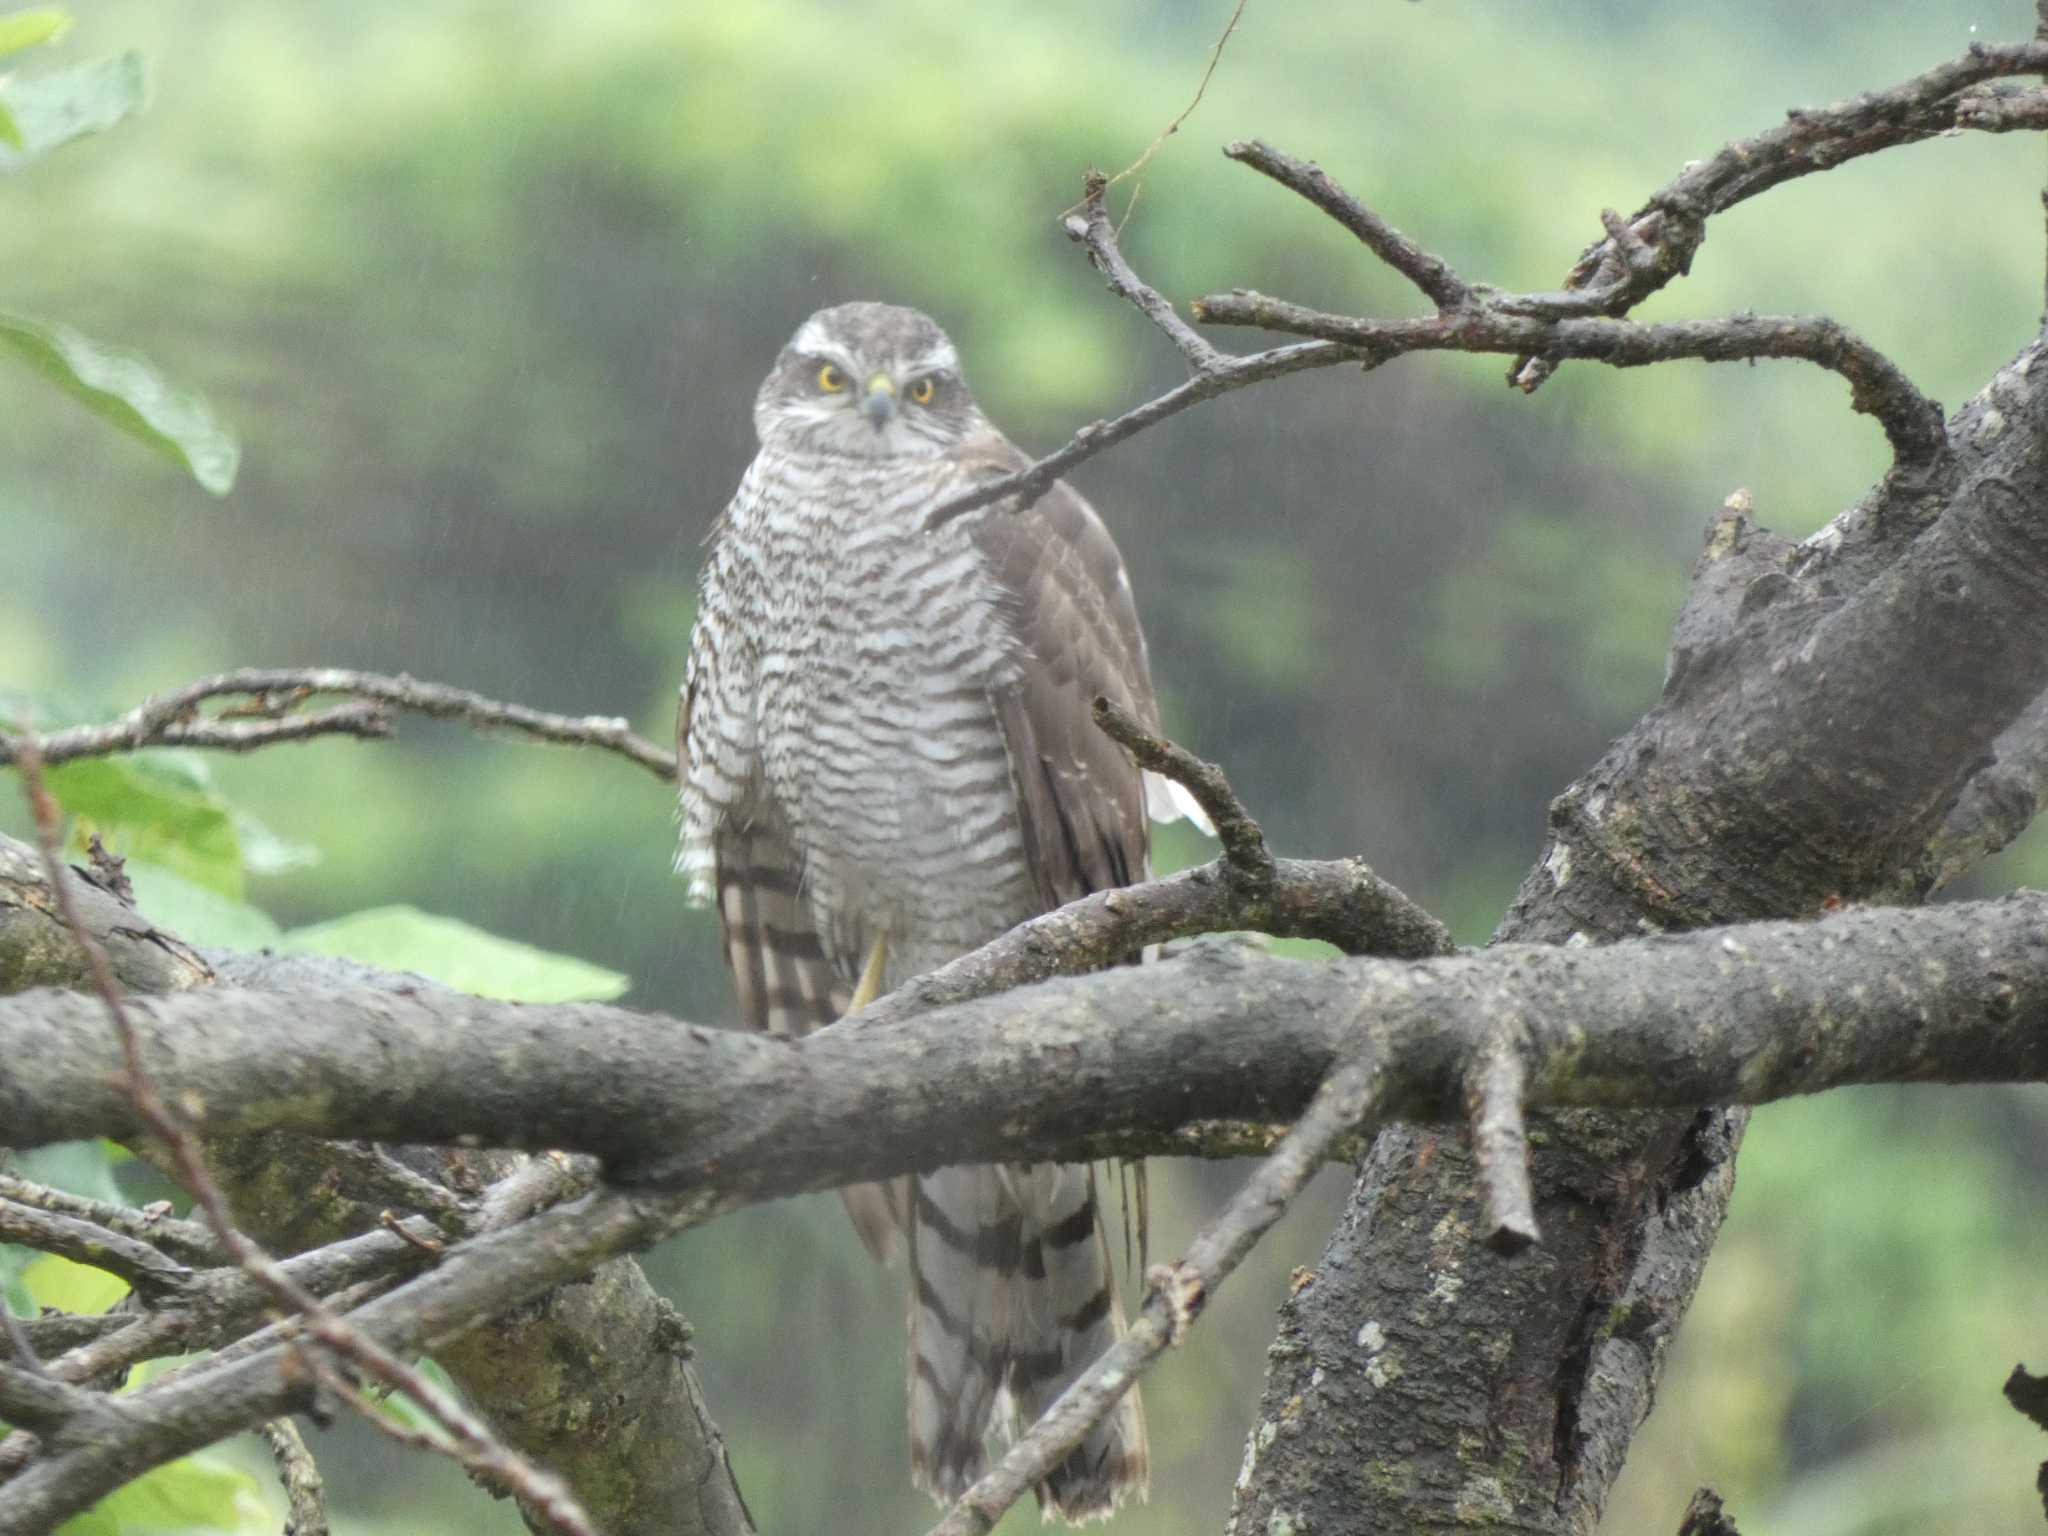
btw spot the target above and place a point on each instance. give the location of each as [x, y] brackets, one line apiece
[879, 740]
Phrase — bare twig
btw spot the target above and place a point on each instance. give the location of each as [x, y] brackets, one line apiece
[1673, 219]
[185, 1240]
[1244, 845]
[153, 1274]
[1637, 256]
[1500, 1145]
[218, 1304]
[473, 1444]
[371, 1174]
[1176, 1298]
[191, 1408]
[305, 1495]
[171, 718]
[1201, 86]
[1091, 229]
[1032, 481]
[1436, 278]
[1877, 387]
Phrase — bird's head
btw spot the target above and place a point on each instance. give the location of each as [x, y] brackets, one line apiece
[867, 381]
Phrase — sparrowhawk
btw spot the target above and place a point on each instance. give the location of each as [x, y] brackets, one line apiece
[888, 760]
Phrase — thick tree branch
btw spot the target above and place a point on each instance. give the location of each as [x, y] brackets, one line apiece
[1740, 1015]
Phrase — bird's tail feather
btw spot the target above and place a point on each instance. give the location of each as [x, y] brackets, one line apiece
[1012, 1297]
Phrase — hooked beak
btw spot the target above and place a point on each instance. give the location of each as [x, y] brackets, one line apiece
[879, 403]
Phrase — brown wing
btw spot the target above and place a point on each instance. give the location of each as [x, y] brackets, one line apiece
[1082, 801]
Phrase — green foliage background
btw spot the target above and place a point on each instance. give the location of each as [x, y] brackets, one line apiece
[486, 291]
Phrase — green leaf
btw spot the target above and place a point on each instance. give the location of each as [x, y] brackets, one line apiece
[204, 1492]
[198, 915]
[25, 29]
[83, 1167]
[157, 808]
[10, 131]
[54, 108]
[457, 955]
[58, 1282]
[128, 391]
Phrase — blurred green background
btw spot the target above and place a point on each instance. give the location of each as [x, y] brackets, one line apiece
[486, 290]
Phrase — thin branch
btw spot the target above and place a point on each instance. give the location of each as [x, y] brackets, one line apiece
[220, 1304]
[1091, 229]
[1439, 282]
[172, 718]
[1877, 387]
[371, 1174]
[1500, 1144]
[1036, 478]
[153, 1274]
[1637, 256]
[305, 1495]
[1201, 86]
[1176, 1297]
[1244, 846]
[1672, 221]
[180, 1413]
[185, 1240]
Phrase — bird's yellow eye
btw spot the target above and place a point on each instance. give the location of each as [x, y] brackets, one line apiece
[831, 380]
[921, 392]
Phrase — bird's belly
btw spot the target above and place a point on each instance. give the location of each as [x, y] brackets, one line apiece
[889, 767]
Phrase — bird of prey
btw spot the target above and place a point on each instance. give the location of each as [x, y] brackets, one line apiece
[888, 760]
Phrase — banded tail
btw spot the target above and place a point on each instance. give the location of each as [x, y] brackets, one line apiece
[1011, 1299]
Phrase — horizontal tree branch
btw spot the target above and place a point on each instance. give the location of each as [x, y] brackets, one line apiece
[1912, 423]
[1110, 1063]
[270, 693]
[181, 1239]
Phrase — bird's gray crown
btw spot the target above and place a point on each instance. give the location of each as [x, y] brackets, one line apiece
[869, 381]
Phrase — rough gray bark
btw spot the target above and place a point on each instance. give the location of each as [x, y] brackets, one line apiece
[1116, 1062]
[1825, 711]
